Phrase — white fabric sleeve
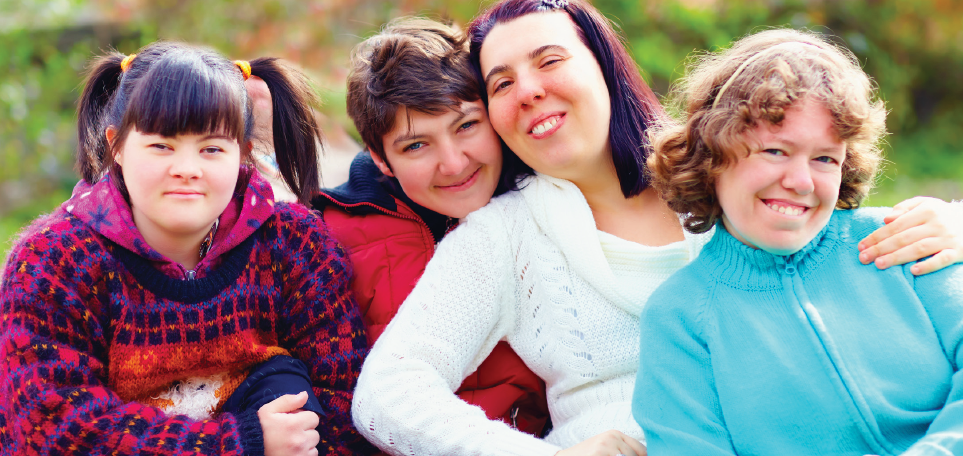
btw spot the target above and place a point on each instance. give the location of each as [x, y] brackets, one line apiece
[462, 306]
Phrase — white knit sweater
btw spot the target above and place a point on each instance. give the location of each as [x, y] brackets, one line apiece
[528, 268]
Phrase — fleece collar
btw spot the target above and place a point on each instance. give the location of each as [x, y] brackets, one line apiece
[104, 209]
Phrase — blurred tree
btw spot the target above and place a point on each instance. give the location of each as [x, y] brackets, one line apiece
[914, 50]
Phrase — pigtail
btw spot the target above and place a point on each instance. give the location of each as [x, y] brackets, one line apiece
[102, 81]
[297, 137]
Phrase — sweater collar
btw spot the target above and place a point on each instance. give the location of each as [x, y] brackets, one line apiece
[563, 214]
[104, 209]
[740, 266]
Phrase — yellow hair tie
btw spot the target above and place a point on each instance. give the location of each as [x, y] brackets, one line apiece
[245, 67]
[125, 64]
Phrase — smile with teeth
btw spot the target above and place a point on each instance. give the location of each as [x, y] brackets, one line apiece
[545, 126]
[787, 209]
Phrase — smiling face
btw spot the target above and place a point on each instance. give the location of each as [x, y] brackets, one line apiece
[546, 95]
[449, 163]
[178, 185]
[783, 193]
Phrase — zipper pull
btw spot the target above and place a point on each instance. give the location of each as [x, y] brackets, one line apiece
[190, 274]
[790, 269]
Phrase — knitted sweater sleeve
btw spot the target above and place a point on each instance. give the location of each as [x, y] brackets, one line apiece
[323, 325]
[941, 293]
[462, 306]
[54, 329]
[675, 398]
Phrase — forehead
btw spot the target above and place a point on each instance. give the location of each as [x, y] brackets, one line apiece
[408, 122]
[512, 41]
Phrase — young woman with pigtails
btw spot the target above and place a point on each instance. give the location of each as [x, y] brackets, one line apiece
[144, 314]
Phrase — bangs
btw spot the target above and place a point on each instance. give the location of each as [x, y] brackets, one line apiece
[186, 93]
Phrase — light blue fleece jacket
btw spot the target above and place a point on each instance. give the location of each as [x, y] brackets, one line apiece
[749, 353]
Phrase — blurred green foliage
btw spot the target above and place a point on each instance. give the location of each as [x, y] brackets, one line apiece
[914, 50]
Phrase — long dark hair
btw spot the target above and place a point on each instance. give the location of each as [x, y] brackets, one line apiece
[634, 106]
[173, 88]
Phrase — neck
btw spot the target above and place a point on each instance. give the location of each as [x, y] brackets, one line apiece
[183, 249]
[644, 218]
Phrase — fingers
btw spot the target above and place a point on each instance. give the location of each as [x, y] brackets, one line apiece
[285, 404]
[909, 245]
[906, 206]
[636, 446]
[937, 262]
[921, 216]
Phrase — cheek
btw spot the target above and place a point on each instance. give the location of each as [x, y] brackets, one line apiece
[499, 114]
[827, 188]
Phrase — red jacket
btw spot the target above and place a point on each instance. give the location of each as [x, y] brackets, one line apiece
[390, 240]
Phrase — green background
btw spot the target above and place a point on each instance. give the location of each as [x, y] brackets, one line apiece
[913, 49]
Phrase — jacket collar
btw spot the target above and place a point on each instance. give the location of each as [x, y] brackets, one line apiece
[369, 191]
[104, 209]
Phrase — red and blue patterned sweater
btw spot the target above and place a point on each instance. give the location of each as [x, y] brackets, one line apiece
[95, 326]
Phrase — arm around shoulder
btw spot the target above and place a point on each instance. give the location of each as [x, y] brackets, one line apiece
[462, 306]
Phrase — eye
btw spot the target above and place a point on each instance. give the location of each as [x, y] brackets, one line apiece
[826, 159]
[413, 146]
[501, 85]
[468, 125]
[211, 150]
[160, 146]
[774, 152]
[551, 61]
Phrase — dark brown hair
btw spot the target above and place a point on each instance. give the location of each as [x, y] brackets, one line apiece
[725, 94]
[173, 88]
[634, 106]
[418, 64]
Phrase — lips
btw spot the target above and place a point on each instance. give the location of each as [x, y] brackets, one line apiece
[786, 207]
[464, 183]
[183, 193]
[545, 125]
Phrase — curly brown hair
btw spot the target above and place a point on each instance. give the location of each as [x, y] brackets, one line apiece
[725, 94]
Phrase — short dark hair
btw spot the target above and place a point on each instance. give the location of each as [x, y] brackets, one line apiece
[171, 88]
[634, 106]
[413, 63]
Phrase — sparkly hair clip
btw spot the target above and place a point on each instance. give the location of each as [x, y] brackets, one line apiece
[245, 68]
[552, 5]
[125, 64]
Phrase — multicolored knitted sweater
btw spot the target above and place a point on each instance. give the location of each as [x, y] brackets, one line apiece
[98, 331]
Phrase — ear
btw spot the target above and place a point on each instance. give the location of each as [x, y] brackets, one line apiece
[381, 164]
[111, 135]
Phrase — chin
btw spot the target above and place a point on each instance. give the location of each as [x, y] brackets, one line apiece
[783, 247]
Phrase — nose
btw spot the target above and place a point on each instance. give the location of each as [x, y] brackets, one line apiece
[453, 159]
[798, 177]
[528, 89]
[185, 166]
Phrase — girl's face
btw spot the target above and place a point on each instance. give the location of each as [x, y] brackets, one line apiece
[547, 95]
[783, 193]
[448, 163]
[178, 185]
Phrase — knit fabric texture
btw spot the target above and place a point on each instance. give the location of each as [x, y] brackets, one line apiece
[811, 353]
[527, 268]
[100, 333]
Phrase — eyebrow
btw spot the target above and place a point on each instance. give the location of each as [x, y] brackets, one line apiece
[464, 114]
[796, 144]
[224, 137]
[531, 56]
[413, 136]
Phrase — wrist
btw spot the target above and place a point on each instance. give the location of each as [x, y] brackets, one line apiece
[252, 435]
